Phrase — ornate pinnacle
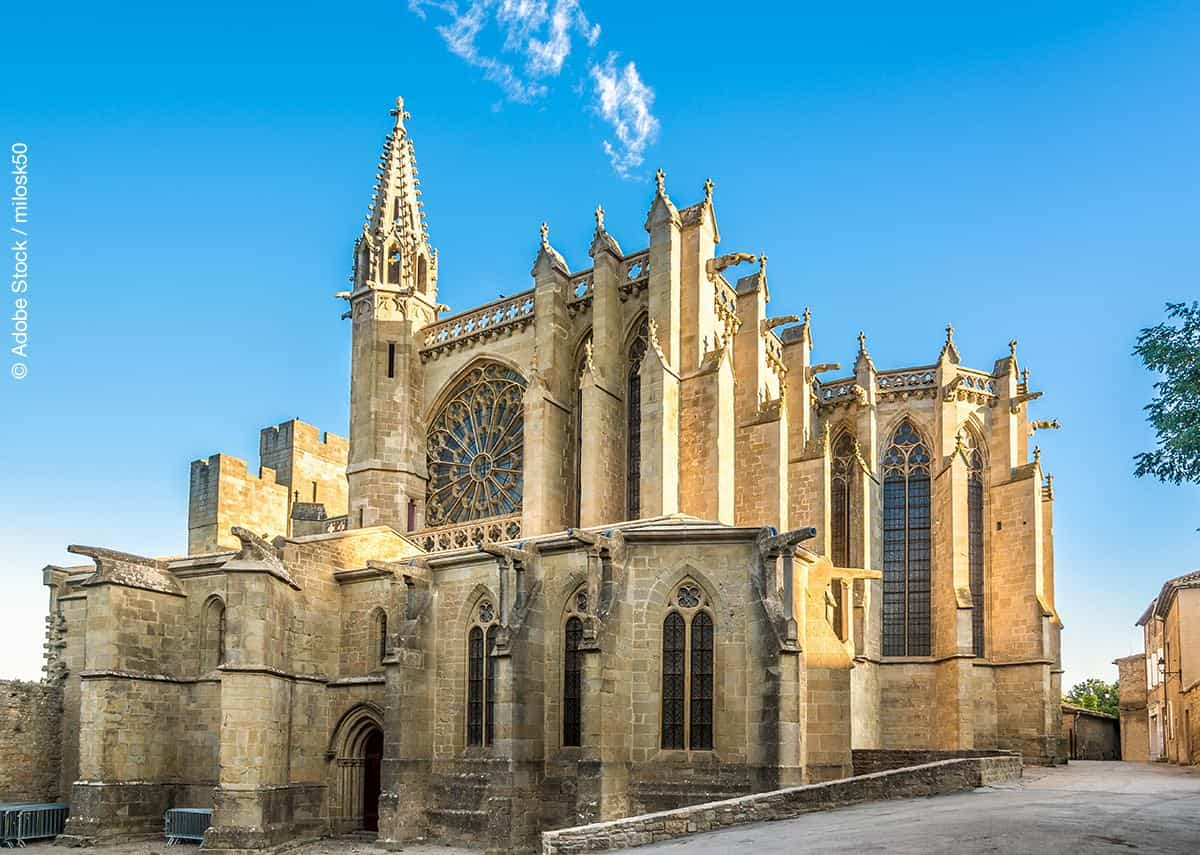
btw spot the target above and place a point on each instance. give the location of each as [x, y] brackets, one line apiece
[949, 333]
[708, 188]
[959, 442]
[862, 342]
[545, 230]
[1037, 454]
[660, 181]
[762, 265]
[807, 314]
[599, 218]
[1012, 348]
[949, 349]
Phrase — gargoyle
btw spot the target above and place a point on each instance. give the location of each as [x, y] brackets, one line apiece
[715, 265]
[782, 320]
[255, 548]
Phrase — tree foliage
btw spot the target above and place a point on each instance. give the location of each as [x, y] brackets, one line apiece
[1173, 351]
[1095, 694]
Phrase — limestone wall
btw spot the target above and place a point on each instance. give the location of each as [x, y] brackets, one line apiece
[929, 779]
[309, 463]
[30, 741]
[1090, 736]
[223, 494]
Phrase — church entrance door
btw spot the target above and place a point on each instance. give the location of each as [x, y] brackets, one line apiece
[373, 757]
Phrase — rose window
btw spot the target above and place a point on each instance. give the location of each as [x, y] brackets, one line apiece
[476, 448]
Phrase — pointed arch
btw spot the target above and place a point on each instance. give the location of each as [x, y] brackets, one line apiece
[577, 428]
[976, 451]
[378, 638]
[354, 747]
[212, 634]
[688, 668]
[635, 352]
[842, 453]
[905, 467]
[575, 610]
[393, 264]
[481, 629]
[475, 446]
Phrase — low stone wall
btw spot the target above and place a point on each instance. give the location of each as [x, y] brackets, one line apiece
[868, 760]
[30, 741]
[929, 779]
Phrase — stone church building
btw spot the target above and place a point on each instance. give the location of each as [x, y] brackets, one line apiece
[613, 544]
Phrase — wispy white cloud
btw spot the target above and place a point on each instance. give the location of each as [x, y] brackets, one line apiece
[625, 102]
[541, 37]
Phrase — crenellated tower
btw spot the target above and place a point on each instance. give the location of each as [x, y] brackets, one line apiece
[394, 298]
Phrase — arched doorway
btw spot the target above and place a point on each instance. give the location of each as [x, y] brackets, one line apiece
[357, 752]
[372, 757]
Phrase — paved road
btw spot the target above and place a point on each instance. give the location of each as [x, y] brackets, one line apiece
[1085, 807]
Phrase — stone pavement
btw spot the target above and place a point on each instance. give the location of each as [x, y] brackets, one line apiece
[336, 846]
[1085, 807]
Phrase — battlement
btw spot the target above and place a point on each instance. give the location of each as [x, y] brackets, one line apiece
[298, 464]
[295, 434]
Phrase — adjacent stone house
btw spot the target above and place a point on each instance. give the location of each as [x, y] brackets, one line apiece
[1171, 631]
[611, 544]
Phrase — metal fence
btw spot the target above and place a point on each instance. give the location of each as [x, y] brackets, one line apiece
[35, 821]
[186, 824]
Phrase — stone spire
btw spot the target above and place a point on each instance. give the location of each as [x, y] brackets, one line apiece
[395, 236]
[550, 255]
[602, 240]
[864, 358]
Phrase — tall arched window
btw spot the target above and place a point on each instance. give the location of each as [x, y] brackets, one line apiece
[839, 499]
[573, 669]
[476, 448]
[975, 472]
[577, 430]
[212, 636]
[906, 551]
[688, 671]
[633, 421]
[378, 637]
[394, 259]
[481, 674]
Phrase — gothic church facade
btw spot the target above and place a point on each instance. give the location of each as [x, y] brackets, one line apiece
[610, 545]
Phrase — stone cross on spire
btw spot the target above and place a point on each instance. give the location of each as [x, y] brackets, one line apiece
[399, 112]
[949, 349]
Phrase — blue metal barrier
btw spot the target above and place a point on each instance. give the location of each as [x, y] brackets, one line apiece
[22, 822]
[186, 824]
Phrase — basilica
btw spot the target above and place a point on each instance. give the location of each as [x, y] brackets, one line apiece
[613, 544]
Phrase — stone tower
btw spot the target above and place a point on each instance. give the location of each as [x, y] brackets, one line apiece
[394, 297]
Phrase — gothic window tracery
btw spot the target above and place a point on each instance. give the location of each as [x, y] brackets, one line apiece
[841, 468]
[688, 670]
[633, 424]
[476, 448]
[975, 470]
[573, 669]
[481, 674]
[906, 544]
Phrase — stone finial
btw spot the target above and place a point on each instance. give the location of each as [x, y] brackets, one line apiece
[862, 342]
[708, 188]
[1037, 454]
[545, 231]
[599, 218]
[762, 265]
[1012, 348]
[660, 182]
[960, 444]
[807, 315]
[1025, 378]
[399, 112]
[949, 349]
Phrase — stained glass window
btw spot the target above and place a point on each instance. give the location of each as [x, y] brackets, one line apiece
[673, 689]
[489, 707]
[633, 427]
[475, 686]
[572, 682]
[481, 675]
[476, 448]
[688, 672]
[906, 544]
[701, 725]
[975, 541]
[839, 499]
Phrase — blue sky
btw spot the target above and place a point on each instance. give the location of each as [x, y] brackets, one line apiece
[198, 175]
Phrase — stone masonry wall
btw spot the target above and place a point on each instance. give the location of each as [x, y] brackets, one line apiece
[30, 741]
[930, 779]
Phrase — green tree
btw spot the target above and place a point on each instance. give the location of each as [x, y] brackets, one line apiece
[1173, 351]
[1095, 694]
